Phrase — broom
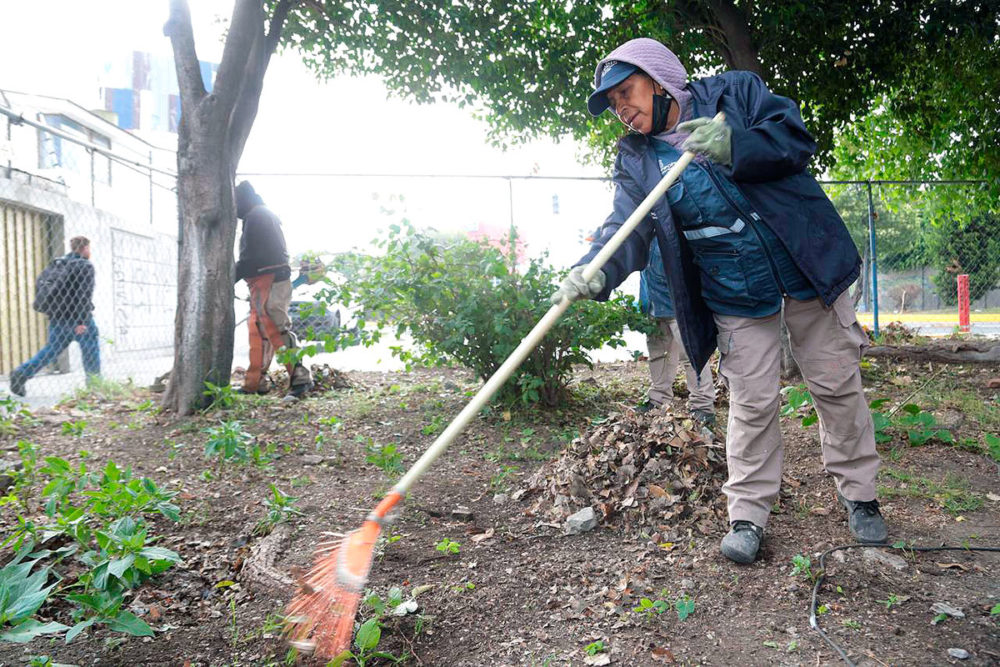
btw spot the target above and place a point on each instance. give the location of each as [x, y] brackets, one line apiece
[320, 618]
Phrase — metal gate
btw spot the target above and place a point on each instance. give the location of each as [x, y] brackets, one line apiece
[29, 240]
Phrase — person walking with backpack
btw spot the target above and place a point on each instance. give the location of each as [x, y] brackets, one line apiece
[263, 263]
[65, 293]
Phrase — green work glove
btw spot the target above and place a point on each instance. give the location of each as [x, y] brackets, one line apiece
[709, 137]
[575, 287]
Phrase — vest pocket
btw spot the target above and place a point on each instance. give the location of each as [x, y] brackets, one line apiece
[723, 279]
[683, 206]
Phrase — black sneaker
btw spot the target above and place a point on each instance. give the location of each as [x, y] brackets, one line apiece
[742, 542]
[865, 520]
[298, 390]
[17, 381]
[646, 406]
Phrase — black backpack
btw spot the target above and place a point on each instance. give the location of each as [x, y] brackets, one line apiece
[51, 285]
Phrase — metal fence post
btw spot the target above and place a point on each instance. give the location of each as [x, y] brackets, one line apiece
[874, 258]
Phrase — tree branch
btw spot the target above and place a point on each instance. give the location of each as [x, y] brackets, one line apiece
[178, 29]
[248, 100]
[277, 24]
[245, 30]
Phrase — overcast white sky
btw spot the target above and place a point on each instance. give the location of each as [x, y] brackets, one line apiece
[59, 47]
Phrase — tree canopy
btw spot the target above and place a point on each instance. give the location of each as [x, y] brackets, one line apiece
[528, 67]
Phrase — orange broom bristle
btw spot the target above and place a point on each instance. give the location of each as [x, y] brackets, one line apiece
[320, 618]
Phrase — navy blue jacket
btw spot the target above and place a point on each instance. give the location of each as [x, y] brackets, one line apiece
[771, 148]
[654, 292]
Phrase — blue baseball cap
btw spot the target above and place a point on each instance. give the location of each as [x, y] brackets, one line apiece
[612, 73]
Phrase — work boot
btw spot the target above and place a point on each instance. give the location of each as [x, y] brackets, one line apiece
[298, 390]
[742, 542]
[865, 520]
[17, 381]
[646, 406]
[704, 418]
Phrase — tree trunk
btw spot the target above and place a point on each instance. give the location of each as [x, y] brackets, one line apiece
[957, 353]
[203, 327]
[213, 131]
[737, 47]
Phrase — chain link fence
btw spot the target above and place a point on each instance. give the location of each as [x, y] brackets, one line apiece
[62, 178]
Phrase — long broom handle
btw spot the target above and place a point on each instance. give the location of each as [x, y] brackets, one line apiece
[531, 341]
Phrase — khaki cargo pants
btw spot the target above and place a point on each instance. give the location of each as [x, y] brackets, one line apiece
[665, 351]
[827, 344]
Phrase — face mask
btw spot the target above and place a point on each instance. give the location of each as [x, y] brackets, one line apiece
[661, 110]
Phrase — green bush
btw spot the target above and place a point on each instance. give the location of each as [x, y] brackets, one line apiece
[463, 301]
[972, 248]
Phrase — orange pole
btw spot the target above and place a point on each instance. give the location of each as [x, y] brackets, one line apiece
[963, 303]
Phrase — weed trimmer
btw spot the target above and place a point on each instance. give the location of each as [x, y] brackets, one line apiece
[321, 616]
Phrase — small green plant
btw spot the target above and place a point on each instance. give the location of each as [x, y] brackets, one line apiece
[229, 442]
[447, 546]
[822, 609]
[684, 606]
[891, 601]
[74, 428]
[221, 397]
[464, 587]
[435, 426]
[384, 457]
[921, 427]
[851, 623]
[12, 411]
[651, 608]
[499, 480]
[995, 611]
[280, 508]
[801, 565]
[21, 594]
[799, 399]
[993, 446]
[369, 633]
[173, 448]
[880, 420]
[593, 648]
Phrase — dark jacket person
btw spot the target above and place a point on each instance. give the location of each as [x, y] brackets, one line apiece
[70, 318]
[745, 233]
[263, 263]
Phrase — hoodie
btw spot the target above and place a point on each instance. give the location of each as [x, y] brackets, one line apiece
[664, 67]
[262, 244]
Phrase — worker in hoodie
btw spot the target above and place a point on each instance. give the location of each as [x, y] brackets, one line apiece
[745, 234]
[263, 263]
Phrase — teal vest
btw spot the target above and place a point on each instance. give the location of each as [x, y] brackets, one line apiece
[745, 269]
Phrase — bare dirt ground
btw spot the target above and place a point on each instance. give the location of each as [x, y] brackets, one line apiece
[519, 591]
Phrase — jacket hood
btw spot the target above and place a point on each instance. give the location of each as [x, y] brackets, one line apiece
[658, 62]
[246, 199]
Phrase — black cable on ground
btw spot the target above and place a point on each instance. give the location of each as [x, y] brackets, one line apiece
[814, 623]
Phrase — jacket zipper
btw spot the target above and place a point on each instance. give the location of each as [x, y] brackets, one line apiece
[753, 218]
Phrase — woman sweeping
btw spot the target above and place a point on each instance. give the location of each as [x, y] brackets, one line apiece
[745, 233]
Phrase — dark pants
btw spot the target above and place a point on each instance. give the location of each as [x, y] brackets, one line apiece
[61, 334]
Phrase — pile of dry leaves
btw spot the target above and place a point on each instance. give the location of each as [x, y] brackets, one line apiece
[647, 472]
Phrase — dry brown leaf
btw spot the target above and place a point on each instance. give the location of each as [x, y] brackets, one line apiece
[663, 655]
[483, 536]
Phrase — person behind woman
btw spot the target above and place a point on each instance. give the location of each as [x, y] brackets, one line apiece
[745, 233]
[666, 351]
